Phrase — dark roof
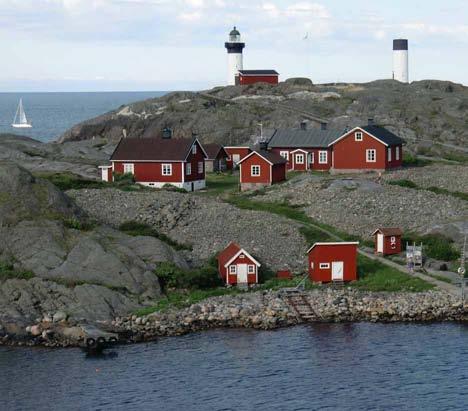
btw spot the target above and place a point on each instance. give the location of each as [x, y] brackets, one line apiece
[152, 149]
[384, 135]
[258, 72]
[234, 32]
[312, 137]
[271, 157]
[212, 150]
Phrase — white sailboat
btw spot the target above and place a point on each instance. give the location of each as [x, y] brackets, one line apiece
[20, 120]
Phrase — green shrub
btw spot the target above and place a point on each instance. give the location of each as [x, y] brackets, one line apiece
[135, 228]
[436, 246]
[410, 160]
[123, 179]
[66, 181]
[76, 224]
[403, 183]
[8, 271]
[171, 187]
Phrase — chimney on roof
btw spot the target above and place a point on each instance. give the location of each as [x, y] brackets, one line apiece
[263, 145]
[166, 133]
[323, 126]
[370, 121]
[194, 134]
[303, 125]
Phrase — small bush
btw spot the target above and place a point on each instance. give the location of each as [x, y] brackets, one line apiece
[171, 187]
[123, 179]
[75, 224]
[8, 271]
[410, 160]
[403, 183]
[64, 181]
[135, 228]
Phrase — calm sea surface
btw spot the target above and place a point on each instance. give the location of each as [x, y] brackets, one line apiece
[53, 113]
[325, 366]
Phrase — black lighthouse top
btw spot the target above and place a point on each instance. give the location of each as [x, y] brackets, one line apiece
[400, 44]
[234, 45]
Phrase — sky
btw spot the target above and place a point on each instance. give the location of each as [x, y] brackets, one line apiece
[120, 45]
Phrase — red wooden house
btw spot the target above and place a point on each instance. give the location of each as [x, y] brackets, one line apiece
[387, 240]
[237, 266]
[236, 154]
[260, 169]
[155, 162]
[365, 148]
[217, 156]
[245, 77]
[333, 262]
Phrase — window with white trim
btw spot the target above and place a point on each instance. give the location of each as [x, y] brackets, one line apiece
[129, 168]
[242, 256]
[358, 136]
[323, 157]
[311, 158]
[324, 266]
[312, 264]
[255, 171]
[194, 149]
[371, 155]
[397, 153]
[299, 158]
[232, 269]
[200, 167]
[389, 154]
[166, 169]
[284, 154]
[251, 269]
[392, 239]
[188, 169]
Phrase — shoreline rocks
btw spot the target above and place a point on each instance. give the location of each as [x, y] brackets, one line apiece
[263, 310]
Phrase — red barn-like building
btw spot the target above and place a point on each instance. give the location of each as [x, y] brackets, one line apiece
[387, 240]
[237, 266]
[260, 169]
[245, 77]
[365, 148]
[236, 154]
[333, 262]
[155, 162]
[217, 156]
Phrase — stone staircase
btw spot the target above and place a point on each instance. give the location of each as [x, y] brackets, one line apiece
[300, 304]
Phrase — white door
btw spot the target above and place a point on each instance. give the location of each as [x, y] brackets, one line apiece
[337, 270]
[104, 172]
[242, 274]
[235, 159]
[380, 243]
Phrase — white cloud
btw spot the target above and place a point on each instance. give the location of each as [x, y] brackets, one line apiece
[190, 17]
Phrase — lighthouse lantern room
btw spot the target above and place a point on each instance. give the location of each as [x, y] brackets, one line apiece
[234, 48]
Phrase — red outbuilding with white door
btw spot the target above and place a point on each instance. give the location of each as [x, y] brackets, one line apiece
[331, 261]
[387, 240]
[235, 154]
[237, 266]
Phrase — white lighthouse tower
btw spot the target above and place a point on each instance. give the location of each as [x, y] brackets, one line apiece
[234, 48]
[400, 60]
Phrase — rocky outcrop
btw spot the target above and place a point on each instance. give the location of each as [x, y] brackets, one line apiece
[206, 224]
[53, 259]
[423, 112]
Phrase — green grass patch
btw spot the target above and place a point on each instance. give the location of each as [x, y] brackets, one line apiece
[436, 246]
[403, 183]
[66, 181]
[440, 278]
[376, 276]
[76, 224]
[438, 190]
[220, 183]
[135, 228]
[410, 160]
[8, 271]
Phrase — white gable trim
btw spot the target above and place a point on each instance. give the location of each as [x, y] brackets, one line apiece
[251, 154]
[353, 131]
[299, 149]
[335, 243]
[190, 149]
[242, 251]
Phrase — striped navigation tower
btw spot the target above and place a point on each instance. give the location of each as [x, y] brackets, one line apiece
[400, 60]
[234, 48]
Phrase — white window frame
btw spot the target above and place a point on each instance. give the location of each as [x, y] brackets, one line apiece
[242, 256]
[166, 169]
[285, 154]
[255, 167]
[312, 157]
[389, 154]
[200, 167]
[299, 159]
[324, 266]
[194, 149]
[325, 154]
[233, 269]
[397, 153]
[393, 239]
[251, 269]
[188, 169]
[368, 152]
[129, 168]
[358, 136]
[312, 265]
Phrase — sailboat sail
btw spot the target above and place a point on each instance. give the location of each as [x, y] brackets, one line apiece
[21, 117]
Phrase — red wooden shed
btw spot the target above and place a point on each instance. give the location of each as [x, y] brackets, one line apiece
[237, 266]
[387, 240]
[235, 154]
[246, 77]
[260, 169]
[333, 262]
